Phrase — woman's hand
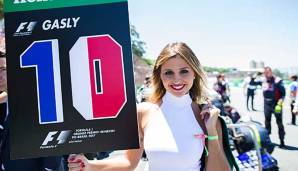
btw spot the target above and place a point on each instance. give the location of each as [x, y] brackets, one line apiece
[210, 115]
[77, 162]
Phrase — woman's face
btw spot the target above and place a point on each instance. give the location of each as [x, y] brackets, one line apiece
[177, 76]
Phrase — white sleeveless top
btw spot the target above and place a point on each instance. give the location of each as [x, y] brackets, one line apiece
[169, 136]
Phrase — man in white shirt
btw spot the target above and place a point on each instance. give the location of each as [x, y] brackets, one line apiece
[293, 95]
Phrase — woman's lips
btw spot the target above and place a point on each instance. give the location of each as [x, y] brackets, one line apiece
[177, 87]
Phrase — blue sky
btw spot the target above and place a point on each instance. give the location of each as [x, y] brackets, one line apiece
[225, 33]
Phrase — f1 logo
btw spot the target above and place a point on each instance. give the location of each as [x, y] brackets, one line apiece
[29, 28]
[61, 138]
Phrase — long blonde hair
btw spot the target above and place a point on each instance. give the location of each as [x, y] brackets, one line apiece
[197, 91]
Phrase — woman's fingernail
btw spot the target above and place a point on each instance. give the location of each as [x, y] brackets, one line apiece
[82, 165]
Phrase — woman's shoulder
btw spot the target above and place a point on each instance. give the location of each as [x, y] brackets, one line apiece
[147, 107]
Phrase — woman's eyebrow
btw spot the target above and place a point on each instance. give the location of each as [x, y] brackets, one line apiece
[167, 69]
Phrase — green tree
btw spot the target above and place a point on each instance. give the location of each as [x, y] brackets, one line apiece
[215, 69]
[149, 61]
[138, 46]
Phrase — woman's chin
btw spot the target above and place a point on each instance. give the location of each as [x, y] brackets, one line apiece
[177, 93]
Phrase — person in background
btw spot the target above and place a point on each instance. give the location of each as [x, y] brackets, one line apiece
[3, 88]
[293, 95]
[225, 82]
[145, 90]
[250, 86]
[274, 94]
[172, 123]
[3, 99]
[220, 87]
[295, 106]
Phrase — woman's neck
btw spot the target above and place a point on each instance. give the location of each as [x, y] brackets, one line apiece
[176, 101]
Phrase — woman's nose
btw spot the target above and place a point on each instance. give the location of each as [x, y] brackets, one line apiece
[176, 78]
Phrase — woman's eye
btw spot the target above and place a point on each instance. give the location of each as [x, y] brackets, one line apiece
[169, 73]
[184, 71]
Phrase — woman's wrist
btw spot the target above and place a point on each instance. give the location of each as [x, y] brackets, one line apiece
[91, 164]
[212, 137]
[212, 132]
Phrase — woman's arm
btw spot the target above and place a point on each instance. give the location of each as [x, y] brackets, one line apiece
[216, 159]
[127, 162]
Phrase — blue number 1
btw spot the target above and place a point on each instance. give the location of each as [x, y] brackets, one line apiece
[44, 57]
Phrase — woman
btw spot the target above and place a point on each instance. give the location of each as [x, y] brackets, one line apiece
[168, 128]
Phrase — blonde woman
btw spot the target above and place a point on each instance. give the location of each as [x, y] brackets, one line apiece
[172, 124]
